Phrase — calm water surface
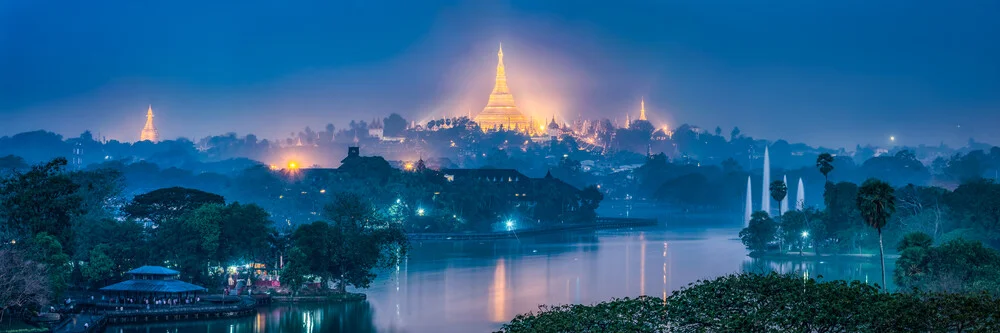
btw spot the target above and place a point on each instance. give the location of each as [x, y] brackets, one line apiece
[477, 286]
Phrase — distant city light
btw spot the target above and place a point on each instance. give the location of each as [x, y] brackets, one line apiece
[322, 191]
[510, 225]
[420, 211]
[805, 234]
[273, 167]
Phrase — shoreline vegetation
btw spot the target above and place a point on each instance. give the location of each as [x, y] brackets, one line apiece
[749, 302]
[601, 223]
[813, 255]
[332, 297]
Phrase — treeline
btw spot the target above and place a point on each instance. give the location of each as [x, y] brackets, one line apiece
[772, 303]
[969, 212]
[73, 230]
[689, 184]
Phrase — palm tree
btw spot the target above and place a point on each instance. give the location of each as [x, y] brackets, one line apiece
[876, 202]
[824, 162]
[778, 192]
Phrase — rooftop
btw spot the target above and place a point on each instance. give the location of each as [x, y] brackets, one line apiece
[153, 270]
[154, 286]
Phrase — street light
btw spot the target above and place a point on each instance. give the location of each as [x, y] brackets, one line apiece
[805, 234]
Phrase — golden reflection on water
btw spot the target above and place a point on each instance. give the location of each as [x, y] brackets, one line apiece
[498, 293]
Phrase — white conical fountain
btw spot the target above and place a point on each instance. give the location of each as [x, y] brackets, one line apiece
[784, 201]
[749, 208]
[765, 197]
[800, 199]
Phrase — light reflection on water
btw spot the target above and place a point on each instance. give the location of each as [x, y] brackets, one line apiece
[476, 286]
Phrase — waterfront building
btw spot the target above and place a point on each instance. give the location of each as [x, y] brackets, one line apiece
[153, 282]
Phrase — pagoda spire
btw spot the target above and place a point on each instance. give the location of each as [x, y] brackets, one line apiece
[149, 132]
[642, 109]
[500, 110]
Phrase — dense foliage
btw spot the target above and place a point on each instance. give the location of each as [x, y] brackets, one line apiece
[956, 266]
[348, 249]
[772, 303]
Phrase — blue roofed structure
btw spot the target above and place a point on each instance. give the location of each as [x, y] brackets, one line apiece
[154, 280]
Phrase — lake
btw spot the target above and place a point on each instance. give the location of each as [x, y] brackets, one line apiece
[476, 286]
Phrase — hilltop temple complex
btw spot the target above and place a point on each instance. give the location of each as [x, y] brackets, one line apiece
[149, 132]
[501, 112]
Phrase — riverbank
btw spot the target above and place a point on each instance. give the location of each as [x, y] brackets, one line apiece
[814, 256]
[345, 297]
[600, 223]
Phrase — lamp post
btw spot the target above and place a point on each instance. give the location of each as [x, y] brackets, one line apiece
[805, 234]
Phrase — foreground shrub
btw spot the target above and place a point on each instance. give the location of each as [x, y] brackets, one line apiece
[772, 303]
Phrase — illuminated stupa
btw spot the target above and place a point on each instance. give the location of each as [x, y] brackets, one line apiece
[149, 132]
[500, 111]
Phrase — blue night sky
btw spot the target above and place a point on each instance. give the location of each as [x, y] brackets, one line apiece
[832, 73]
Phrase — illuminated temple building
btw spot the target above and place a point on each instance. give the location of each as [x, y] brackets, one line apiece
[501, 112]
[149, 132]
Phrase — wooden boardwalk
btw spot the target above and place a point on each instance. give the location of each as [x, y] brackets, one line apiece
[601, 223]
[82, 323]
[97, 318]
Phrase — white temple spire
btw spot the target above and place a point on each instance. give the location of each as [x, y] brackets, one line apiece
[748, 210]
[784, 201]
[800, 199]
[765, 197]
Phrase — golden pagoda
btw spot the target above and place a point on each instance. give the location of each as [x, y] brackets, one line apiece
[642, 109]
[149, 132]
[500, 111]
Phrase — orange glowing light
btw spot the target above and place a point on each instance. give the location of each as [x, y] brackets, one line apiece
[292, 165]
[273, 167]
[408, 166]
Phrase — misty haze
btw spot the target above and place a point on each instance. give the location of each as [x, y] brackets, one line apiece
[508, 166]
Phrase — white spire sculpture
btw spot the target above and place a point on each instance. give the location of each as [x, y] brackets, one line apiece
[784, 201]
[749, 208]
[765, 197]
[800, 199]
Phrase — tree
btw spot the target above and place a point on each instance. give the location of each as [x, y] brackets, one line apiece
[46, 249]
[734, 134]
[759, 233]
[100, 267]
[243, 234]
[876, 203]
[41, 200]
[778, 192]
[793, 224]
[191, 242]
[824, 162]
[394, 125]
[590, 199]
[23, 282]
[296, 272]
[169, 203]
[349, 249]
[957, 266]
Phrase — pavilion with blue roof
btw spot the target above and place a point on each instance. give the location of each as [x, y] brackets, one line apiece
[152, 281]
